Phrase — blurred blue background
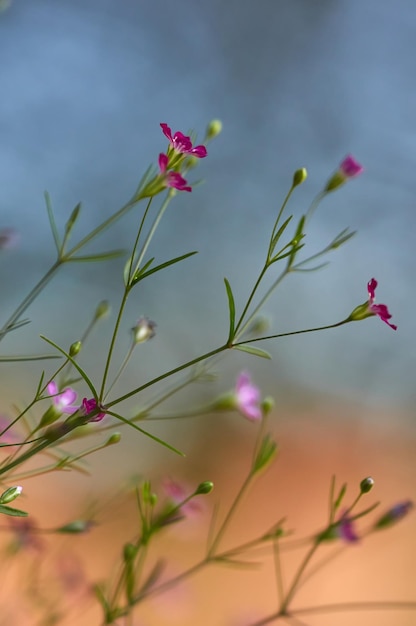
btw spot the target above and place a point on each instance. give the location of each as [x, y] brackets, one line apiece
[84, 86]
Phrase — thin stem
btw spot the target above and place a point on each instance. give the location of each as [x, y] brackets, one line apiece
[298, 576]
[278, 570]
[113, 343]
[229, 515]
[27, 301]
[121, 370]
[249, 301]
[293, 332]
[342, 607]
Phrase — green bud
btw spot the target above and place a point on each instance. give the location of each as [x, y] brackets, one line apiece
[129, 552]
[366, 484]
[115, 438]
[361, 312]
[10, 494]
[214, 128]
[299, 177]
[75, 348]
[204, 488]
[103, 309]
[267, 405]
[76, 527]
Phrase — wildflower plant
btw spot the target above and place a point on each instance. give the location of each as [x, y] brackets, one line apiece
[68, 403]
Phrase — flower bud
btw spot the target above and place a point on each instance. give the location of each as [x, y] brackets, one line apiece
[115, 438]
[143, 330]
[76, 527]
[75, 348]
[103, 309]
[349, 168]
[204, 488]
[393, 515]
[214, 128]
[10, 494]
[299, 177]
[267, 405]
[366, 484]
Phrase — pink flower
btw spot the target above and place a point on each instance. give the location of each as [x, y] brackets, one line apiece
[172, 179]
[378, 309]
[346, 530]
[9, 238]
[247, 398]
[26, 534]
[183, 144]
[62, 401]
[395, 514]
[177, 493]
[350, 167]
[91, 405]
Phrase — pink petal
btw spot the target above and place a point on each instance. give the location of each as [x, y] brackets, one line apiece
[371, 288]
[163, 162]
[199, 151]
[166, 131]
[350, 167]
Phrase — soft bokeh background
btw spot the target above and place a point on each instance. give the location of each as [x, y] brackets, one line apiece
[84, 85]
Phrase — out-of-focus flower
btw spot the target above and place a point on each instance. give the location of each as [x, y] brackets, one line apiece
[143, 330]
[89, 406]
[26, 534]
[349, 168]
[172, 179]
[346, 530]
[63, 402]
[9, 237]
[369, 308]
[395, 514]
[177, 493]
[10, 436]
[247, 397]
[182, 143]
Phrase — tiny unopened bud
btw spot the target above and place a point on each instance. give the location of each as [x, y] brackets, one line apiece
[143, 330]
[204, 488]
[129, 552]
[267, 405]
[395, 514]
[10, 494]
[75, 348]
[115, 438]
[214, 128]
[299, 176]
[102, 310]
[366, 484]
[76, 527]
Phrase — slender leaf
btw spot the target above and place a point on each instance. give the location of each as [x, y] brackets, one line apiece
[8, 510]
[27, 357]
[231, 308]
[104, 256]
[52, 222]
[162, 266]
[74, 363]
[253, 350]
[279, 233]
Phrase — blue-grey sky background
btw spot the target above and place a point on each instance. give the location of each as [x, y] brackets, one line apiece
[84, 85]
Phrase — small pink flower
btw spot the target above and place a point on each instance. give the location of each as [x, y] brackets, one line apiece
[172, 179]
[91, 405]
[63, 401]
[346, 530]
[247, 398]
[26, 534]
[9, 238]
[177, 493]
[395, 514]
[378, 309]
[183, 144]
[350, 167]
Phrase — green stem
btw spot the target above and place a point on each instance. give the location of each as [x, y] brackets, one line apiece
[293, 332]
[249, 301]
[297, 577]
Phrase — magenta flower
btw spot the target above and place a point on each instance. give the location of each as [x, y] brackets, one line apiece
[9, 238]
[91, 405]
[350, 168]
[378, 309]
[62, 401]
[183, 144]
[346, 530]
[172, 179]
[247, 398]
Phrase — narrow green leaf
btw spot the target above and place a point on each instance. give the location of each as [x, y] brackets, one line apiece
[279, 233]
[8, 510]
[52, 222]
[162, 266]
[253, 350]
[104, 256]
[140, 271]
[72, 219]
[28, 357]
[231, 308]
[145, 432]
[74, 363]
